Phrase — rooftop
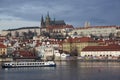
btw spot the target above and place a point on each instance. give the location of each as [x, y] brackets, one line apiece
[113, 47]
[2, 46]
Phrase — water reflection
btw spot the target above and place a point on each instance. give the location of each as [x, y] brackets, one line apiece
[99, 64]
[89, 70]
[66, 70]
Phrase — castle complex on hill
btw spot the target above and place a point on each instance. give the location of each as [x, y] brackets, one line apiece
[59, 29]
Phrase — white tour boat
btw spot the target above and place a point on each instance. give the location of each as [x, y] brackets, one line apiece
[28, 64]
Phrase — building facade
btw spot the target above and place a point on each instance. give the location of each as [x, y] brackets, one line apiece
[3, 49]
[99, 31]
[102, 52]
[21, 31]
[75, 45]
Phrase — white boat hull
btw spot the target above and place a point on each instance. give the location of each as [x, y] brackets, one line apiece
[28, 64]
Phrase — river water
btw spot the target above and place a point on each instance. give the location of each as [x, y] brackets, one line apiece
[66, 70]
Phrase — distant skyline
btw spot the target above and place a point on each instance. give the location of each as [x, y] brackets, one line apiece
[23, 13]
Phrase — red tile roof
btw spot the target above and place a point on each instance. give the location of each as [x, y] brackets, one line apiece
[86, 39]
[24, 53]
[2, 46]
[38, 44]
[80, 40]
[102, 48]
[2, 40]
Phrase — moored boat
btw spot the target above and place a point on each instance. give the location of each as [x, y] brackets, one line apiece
[28, 64]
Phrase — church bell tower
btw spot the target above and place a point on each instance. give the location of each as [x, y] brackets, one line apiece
[42, 22]
[47, 21]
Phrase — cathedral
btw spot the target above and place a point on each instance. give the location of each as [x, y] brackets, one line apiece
[48, 22]
[52, 28]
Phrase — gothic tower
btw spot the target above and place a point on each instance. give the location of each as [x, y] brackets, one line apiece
[47, 21]
[42, 22]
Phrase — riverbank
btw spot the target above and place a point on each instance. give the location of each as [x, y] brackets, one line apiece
[87, 60]
[65, 59]
[6, 59]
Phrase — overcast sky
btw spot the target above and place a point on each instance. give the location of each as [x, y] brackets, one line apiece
[22, 13]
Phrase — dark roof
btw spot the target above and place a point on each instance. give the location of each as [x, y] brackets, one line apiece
[59, 22]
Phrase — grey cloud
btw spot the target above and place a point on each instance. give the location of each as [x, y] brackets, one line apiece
[72, 11]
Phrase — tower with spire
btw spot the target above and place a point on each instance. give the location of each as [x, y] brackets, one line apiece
[48, 22]
[42, 22]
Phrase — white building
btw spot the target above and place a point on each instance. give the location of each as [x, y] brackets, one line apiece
[20, 31]
[94, 30]
[110, 51]
[45, 51]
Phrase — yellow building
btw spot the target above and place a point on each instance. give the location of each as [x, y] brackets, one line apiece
[77, 44]
[3, 49]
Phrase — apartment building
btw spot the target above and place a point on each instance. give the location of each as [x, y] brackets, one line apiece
[3, 49]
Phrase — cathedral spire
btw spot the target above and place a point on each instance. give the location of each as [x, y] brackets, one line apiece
[47, 21]
[42, 21]
[48, 17]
